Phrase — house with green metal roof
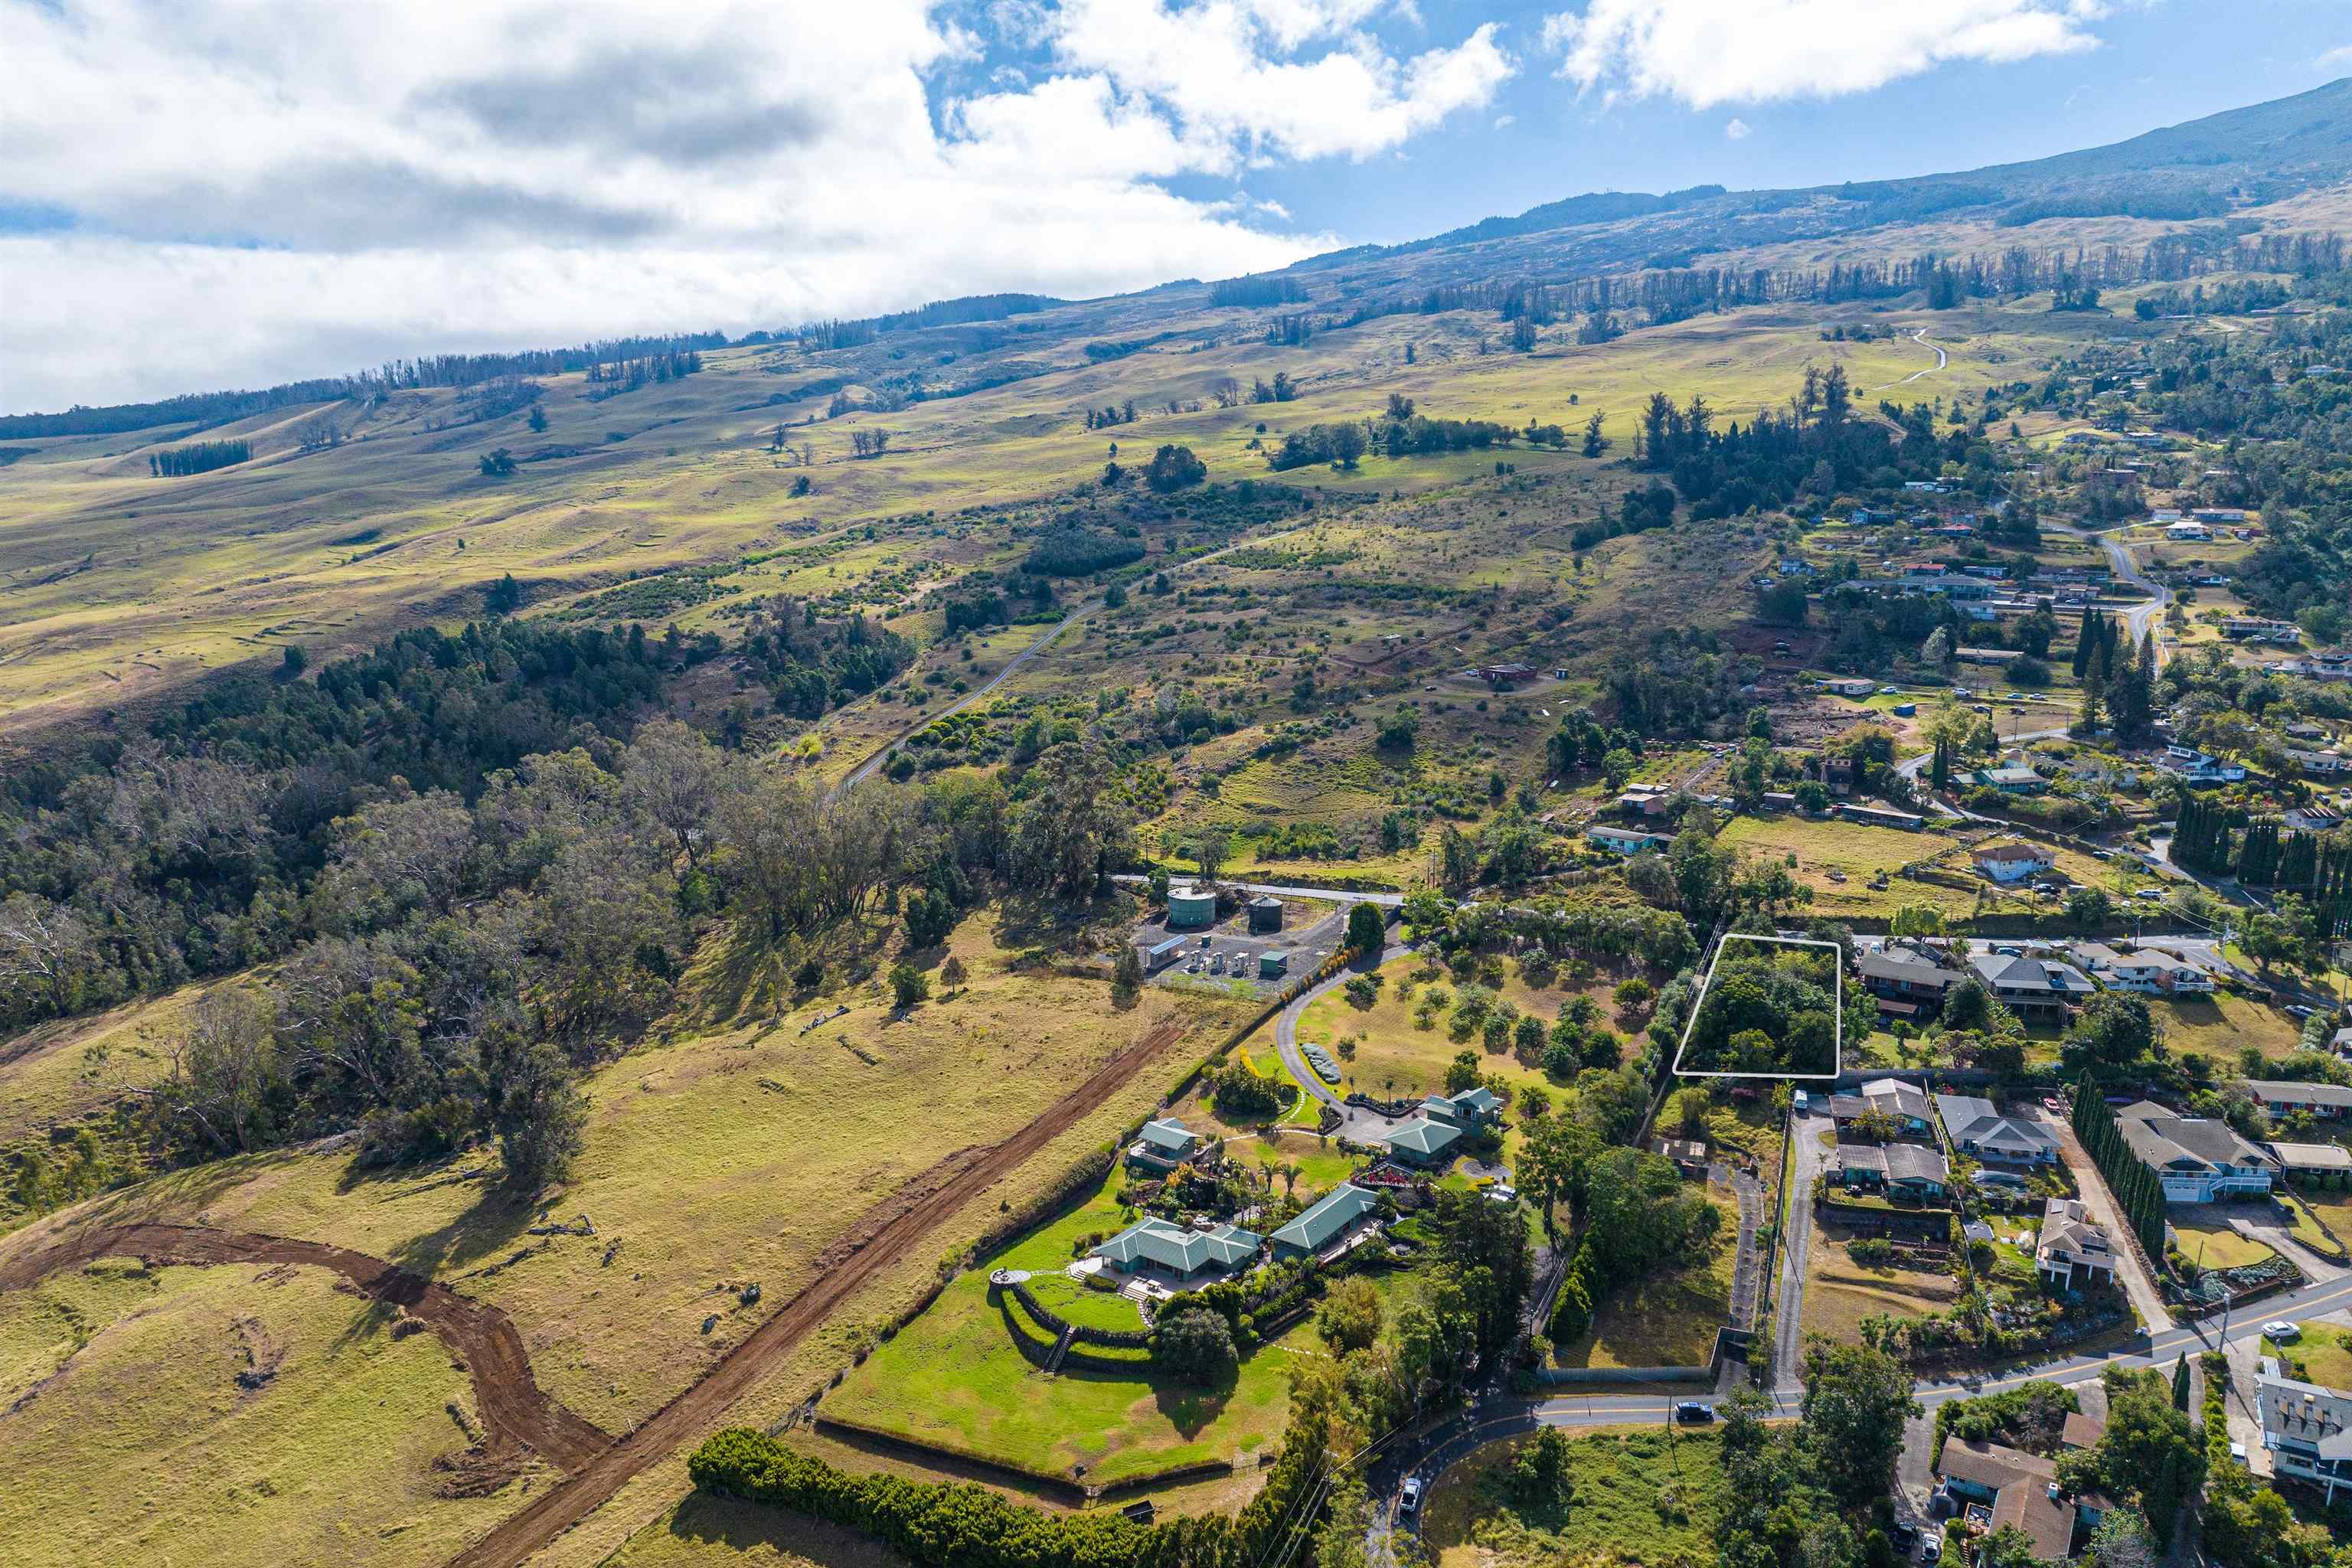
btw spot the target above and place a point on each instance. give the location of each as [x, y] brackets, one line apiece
[1189, 1257]
[1348, 1206]
[1163, 1145]
[1426, 1142]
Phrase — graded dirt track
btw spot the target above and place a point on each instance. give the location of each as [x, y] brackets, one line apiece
[516, 1414]
[886, 1234]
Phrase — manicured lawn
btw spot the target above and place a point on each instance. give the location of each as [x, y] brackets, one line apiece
[1668, 1320]
[2322, 1355]
[1651, 1495]
[2218, 1247]
[954, 1378]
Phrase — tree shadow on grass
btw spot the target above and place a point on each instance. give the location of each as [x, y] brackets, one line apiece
[704, 1518]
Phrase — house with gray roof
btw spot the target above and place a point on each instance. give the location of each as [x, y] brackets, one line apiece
[2324, 1101]
[1909, 1170]
[1186, 1256]
[1906, 982]
[1980, 1130]
[2307, 1429]
[2072, 1249]
[1906, 1104]
[1328, 1222]
[2197, 1160]
[2034, 988]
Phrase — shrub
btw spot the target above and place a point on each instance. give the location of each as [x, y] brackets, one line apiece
[1197, 1345]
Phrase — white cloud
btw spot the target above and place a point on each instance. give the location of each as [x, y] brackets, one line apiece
[1504, 121]
[1710, 52]
[2336, 59]
[280, 189]
[1735, 130]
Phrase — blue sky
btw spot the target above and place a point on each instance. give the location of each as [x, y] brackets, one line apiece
[201, 195]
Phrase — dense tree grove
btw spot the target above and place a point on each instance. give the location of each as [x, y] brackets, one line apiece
[197, 457]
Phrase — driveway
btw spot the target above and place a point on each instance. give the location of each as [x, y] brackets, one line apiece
[1356, 1123]
[2145, 1300]
[1806, 1158]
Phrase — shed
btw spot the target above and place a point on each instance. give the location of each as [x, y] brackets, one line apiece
[1191, 908]
[1272, 965]
[1265, 914]
[1160, 954]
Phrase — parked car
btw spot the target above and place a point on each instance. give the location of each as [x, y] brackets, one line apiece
[2149, 893]
[2009, 949]
[1931, 1546]
[2282, 1333]
[2297, 1010]
[1409, 1498]
[2051, 1102]
[1695, 1412]
[1905, 1536]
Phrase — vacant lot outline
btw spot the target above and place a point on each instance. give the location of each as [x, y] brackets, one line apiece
[1837, 984]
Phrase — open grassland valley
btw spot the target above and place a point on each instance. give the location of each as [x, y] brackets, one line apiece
[1559, 895]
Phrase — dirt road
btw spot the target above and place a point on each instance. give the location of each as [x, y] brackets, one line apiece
[516, 1413]
[873, 1248]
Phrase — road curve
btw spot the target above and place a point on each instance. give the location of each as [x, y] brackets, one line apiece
[516, 1414]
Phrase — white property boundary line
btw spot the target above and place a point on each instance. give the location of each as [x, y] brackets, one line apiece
[1837, 969]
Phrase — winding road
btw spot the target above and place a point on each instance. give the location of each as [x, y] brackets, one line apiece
[1355, 1122]
[1942, 359]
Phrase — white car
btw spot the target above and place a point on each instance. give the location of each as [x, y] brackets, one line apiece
[1931, 1546]
[1409, 1499]
[2278, 1330]
[1890, 692]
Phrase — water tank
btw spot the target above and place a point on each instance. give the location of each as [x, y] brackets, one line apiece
[1190, 909]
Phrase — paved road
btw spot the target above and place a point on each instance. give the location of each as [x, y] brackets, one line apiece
[1806, 1157]
[1286, 890]
[2138, 617]
[1355, 1122]
[1497, 1417]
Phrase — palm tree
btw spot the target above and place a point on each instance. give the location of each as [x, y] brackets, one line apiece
[1289, 1172]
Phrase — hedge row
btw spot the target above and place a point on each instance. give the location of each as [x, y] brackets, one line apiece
[946, 1524]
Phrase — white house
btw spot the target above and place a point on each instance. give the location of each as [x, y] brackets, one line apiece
[2307, 1429]
[2153, 972]
[2186, 528]
[2011, 862]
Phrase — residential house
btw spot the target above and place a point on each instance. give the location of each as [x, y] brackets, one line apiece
[2101, 771]
[2307, 1429]
[2326, 1102]
[1844, 686]
[1163, 1145]
[1186, 1257]
[1626, 840]
[1981, 1131]
[2196, 1159]
[2341, 1043]
[1506, 674]
[1837, 774]
[2095, 957]
[1646, 800]
[1329, 1222]
[1904, 1104]
[1423, 1142]
[2072, 1249]
[1905, 982]
[2195, 767]
[1907, 1170]
[1688, 1154]
[2186, 528]
[1999, 1485]
[2311, 1160]
[2011, 862]
[2156, 973]
[2313, 819]
[2039, 989]
[2011, 777]
[2318, 764]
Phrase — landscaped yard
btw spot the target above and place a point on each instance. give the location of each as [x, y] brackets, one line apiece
[1668, 1320]
[1649, 1495]
[954, 1379]
[2322, 1355]
[2213, 1245]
